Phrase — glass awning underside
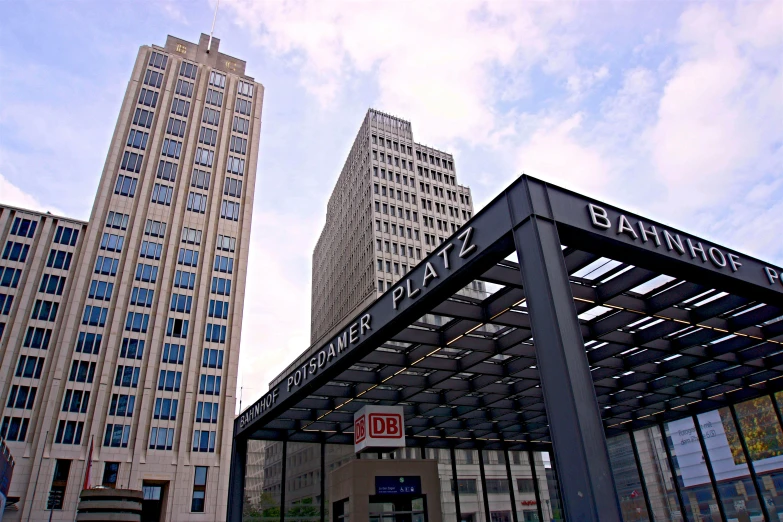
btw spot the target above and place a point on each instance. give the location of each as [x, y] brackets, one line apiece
[659, 348]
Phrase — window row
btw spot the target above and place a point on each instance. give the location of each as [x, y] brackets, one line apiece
[229, 210]
[191, 235]
[151, 250]
[137, 139]
[21, 397]
[14, 251]
[69, 432]
[212, 358]
[122, 405]
[23, 227]
[155, 228]
[14, 428]
[162, 438]
[117, 435]
[177, 328]
[29, 367]
[7, 300]
[209, 385]
[9, 277]
[89, 343]
[137, 322]
[131, 162]
[184, 88]
[148, 98]
[60, 259]
[66, 236]
[176, 127]
[127, 376]
[204, 441]
[94, 316]
[106, 265]
[183, 279]
[226, 243]
[165, 409]
[75, 401]
[173, 353]
[132, 348]
[207, 412]
[169, 380]
[37, 338]
[82, 371]
[396, 211]
[143, 118]
[117, 220]
[180, 107]
[215, 333]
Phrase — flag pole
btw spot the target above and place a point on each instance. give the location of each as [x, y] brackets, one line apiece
[88, 467]
[209, 45]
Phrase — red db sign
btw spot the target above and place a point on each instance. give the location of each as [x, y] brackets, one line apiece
[379, 427]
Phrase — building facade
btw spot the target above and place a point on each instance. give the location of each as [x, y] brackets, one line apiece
[122, 334]
[394, 202]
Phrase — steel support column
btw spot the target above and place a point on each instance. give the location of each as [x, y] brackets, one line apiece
[484, 492]
[536, 486]
[324, 506]
[575, 424]
[673, 472]
[710, 471]
[236, 480]
[453, 455]
[642, 480]
[514, 515]
[282, 480]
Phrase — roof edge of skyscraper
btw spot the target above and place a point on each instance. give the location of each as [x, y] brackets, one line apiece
[43, 213]
[210, 45]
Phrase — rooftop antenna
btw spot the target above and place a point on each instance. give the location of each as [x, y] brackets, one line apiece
[209, 46]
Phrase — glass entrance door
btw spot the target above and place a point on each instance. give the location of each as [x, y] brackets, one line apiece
[398, 508]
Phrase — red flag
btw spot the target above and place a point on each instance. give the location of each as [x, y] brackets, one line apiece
[88, 467]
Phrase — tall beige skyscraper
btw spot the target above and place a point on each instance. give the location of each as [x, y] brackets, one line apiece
[125, 330]
[394, 202]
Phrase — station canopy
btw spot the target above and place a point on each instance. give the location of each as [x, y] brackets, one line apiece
[671, 325]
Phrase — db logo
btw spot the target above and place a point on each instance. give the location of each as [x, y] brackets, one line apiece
[384, 425]
[359, 430]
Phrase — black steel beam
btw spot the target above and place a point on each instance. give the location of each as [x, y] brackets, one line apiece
[575, 424]
[236, 479]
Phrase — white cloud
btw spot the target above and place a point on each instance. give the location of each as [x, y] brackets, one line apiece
[432, 64]
[554, 153]
[13, 196]
[719, 119]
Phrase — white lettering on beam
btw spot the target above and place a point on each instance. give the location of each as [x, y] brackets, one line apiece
[599, 218]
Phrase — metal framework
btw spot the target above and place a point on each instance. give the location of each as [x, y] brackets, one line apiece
[595, 322]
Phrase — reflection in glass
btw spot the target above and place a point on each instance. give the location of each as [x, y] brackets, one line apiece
[735, 487]
[698, 496]
[626, 479]
[758, 423]
[657, 476]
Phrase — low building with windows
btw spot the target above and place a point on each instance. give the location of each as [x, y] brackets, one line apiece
[119, 336]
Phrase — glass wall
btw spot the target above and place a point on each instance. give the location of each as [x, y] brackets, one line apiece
[759, 426]
[694, 469]
[262, 481]
[656, 473]
[303, 482]
[628, 484]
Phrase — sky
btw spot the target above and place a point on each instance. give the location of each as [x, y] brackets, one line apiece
[673, 110]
